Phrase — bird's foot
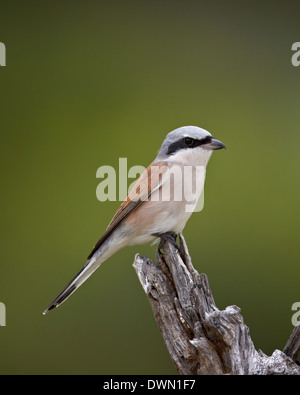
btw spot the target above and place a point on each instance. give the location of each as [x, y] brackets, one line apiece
[169, 236]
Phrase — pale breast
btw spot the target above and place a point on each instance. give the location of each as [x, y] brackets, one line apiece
[169, 208]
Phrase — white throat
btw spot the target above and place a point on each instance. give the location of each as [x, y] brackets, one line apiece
[191, 157]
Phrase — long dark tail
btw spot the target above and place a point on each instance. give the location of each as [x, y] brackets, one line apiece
[75, 283]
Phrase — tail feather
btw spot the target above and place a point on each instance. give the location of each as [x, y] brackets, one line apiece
[75, 283]
[105, 250]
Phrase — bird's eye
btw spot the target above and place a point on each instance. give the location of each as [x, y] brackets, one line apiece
[189, 141]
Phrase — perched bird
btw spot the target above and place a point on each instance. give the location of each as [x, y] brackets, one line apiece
[160, 203]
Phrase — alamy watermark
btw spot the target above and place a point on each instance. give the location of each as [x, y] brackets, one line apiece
[296, 316]
[2, 314]
[159, 182]
[2, 54]
[296, 56]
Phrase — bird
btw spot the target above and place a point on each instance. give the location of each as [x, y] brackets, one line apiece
[159, 204]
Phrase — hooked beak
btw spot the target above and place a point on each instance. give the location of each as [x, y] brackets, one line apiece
[214, 144]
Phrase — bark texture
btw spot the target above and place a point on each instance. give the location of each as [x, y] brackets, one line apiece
[200, 338]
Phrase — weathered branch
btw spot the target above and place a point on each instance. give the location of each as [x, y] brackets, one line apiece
[292, 346]
[200, 338]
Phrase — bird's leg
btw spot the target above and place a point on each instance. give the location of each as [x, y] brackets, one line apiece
[169, 236]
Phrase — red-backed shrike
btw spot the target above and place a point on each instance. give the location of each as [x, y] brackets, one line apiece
[159, 204]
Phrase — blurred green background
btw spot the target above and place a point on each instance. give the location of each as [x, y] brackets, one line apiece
[89, 82]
